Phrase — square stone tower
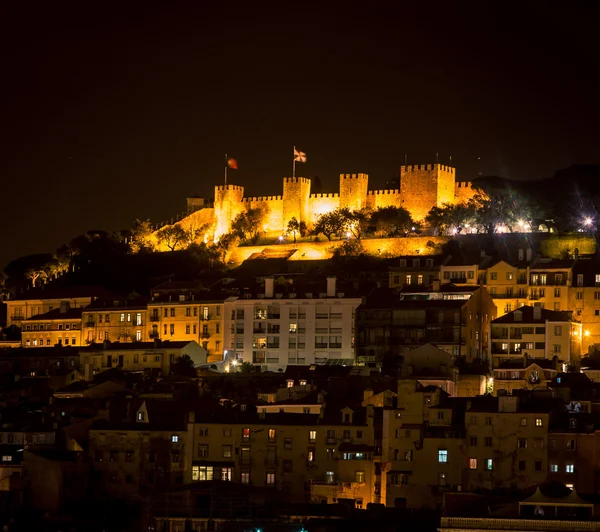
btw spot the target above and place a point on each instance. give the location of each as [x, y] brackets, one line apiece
[353, 191]
[296, 192]
[228, 204]
[425, 186]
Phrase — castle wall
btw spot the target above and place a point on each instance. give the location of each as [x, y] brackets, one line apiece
[383, 198]
[322, 203]
[273, 206]
[463, 191]
[424, 186]
[201, 219]
[228, 204]
[296, 194]
[353, 191]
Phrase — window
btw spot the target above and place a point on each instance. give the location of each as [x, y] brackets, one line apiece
[200, 473]
[202, 451]
[174, 438]
[523, 422]
[537, 466]
[489, 464]
[488, 441]
[270, 478]
[246, 433]
[288, 466]
[571, 444]
[522, 465]
[579, 295]
[129, 456]
[310, 455]
[556, 348]
[245, 476]
[539, 422]
[558, 330]
[522, 443]
[187, 329]
[360, 477]
[287, 443]
[488, 420]
[553, 468]
[271, 434]
[473, 441]
[312, 436]
[494, 276]
[570, 468]
[442, 455]
[227, 451]
[472, 463]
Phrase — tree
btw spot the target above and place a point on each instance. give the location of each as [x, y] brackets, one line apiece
[303, 228]
[348, 249]
[293, 227]
[393, 221]
[33, 274]
[141, 236]
[247, 226]
[193, 230]
[246, 367]
[450, 218]
[224, 245]
[330, 223]
[172, 236]
[184, 366]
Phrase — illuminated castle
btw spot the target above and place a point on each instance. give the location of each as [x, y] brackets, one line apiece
[421, 188]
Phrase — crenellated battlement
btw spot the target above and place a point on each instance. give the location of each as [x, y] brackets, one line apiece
[230, 187]
[354, 176]
[261, 198]
[325, 195]
[383, 192]
[427, 167]
[305, 180]
[463, 184]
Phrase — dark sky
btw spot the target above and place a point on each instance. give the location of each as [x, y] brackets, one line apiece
[111, 115]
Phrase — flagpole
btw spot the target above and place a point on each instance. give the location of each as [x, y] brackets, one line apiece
[294, 163]
[225, 169]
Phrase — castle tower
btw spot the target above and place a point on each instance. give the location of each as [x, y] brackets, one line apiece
[296, 191]
[228, 204]
[425, 186]
[353, 191]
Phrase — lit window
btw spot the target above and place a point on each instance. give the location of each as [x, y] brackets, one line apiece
[360, 477]
[7, 458]
[310, 456]
[570, 468]
[523, 422]
[442, 455]
[472, 463]
[539, 422]
[270, 478]
[312, 436]
[271, 434]
[246, 434]
[489, 464]
[553, 468]
[174, 438]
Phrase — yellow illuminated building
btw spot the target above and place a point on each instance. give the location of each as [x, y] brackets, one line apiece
[115, 320]
[61, 326]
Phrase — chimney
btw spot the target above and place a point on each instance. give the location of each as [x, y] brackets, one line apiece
[64, 307]
[529, 254]
[331, 286]
[537, 311]
[436, 285]
[269, 286]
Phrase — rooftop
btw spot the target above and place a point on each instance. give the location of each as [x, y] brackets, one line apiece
[527, 316]
[58, 314]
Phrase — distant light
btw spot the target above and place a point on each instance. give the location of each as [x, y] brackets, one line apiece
[234, 362]
[453, 231]
[227, 369]
[587, 221]
[348, 234]
[521, 223]
[413, 228]
[280, 238]
[586, 333]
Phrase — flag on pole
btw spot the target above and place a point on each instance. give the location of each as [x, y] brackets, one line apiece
[299, 156]
[232, 163]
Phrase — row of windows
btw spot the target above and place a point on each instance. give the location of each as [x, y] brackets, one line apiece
[48, 327]
[538, 421]
[60, 341]
[189, 311]
[123, 317]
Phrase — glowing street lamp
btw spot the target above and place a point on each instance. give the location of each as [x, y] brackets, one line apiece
[587, 221]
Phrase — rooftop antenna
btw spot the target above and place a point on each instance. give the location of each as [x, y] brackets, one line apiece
[405, 158]
[437, 157]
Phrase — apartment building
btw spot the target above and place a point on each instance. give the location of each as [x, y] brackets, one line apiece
[60, 326]
[525, 374]
[188, 315]
[115, 320]
[42, 300]
[156, 356]
[549, 282]
[390, 323]
[152, 451]
[506, 443]
[415, 271]
[537, 332]
[584, 300]
[286, 323]
[508, 286]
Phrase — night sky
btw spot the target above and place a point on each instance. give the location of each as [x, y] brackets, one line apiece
[111, 115]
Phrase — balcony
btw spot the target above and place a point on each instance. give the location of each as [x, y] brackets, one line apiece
[239, 331]
[275, 329]
[90, 323]
[154, 318]
[17, 318]
[204, 336]
[273, 316]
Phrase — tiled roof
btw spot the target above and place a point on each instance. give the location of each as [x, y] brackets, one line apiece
[56, 314]
[527, 316]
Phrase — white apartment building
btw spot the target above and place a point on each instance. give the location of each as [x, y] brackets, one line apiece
[291, 324]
